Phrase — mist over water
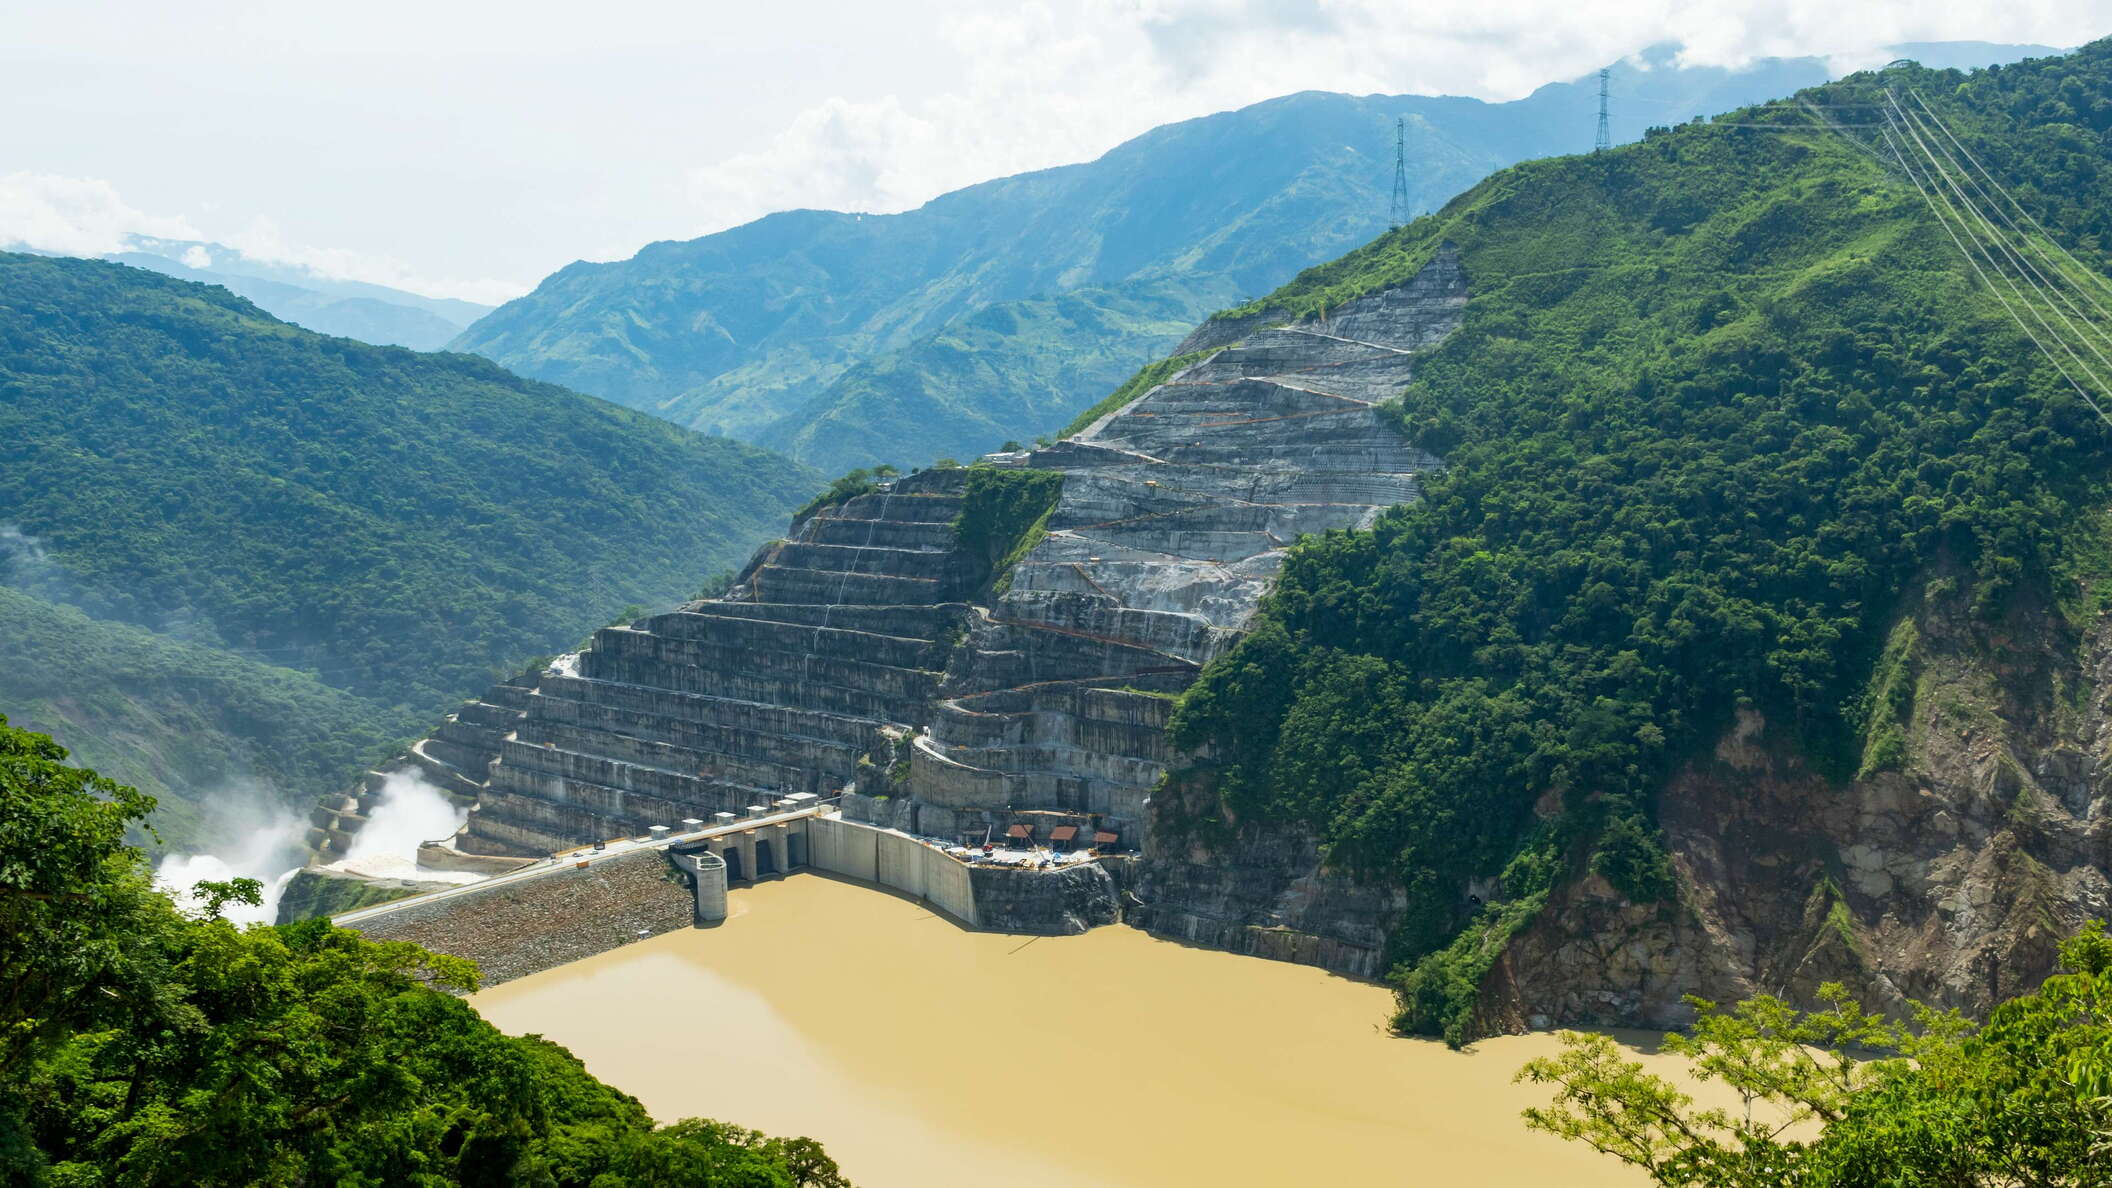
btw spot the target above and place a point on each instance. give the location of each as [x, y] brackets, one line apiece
[409, 813]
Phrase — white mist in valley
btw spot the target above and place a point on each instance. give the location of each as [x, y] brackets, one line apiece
[409, 813]
[267, 841]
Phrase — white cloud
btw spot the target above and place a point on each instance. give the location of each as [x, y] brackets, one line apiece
[1047, 82]
[265, 239]
[85, 216]
[75, 216]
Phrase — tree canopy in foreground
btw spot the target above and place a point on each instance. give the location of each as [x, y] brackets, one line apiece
[2025, 1100]
[143, 1046]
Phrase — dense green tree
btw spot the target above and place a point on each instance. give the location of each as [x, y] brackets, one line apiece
[1718, 399]
[1004, 514]
[2025, 1100]
[140, 1046]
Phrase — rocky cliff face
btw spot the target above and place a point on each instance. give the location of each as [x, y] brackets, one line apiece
[1172, 523]
[1949, 877]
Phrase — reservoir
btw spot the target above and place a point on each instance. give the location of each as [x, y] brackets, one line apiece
[923, 1054]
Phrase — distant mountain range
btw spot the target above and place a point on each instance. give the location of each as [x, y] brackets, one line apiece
[233, 550]
[1001, 310]
[349, 309]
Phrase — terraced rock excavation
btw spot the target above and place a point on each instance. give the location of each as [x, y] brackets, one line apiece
[872, 655]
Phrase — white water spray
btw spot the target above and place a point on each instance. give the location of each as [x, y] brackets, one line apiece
[266, 846]
[409, 813]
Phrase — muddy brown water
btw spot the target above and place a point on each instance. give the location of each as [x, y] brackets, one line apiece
[923, 1054]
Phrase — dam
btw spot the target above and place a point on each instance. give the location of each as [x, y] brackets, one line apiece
[830, 854]
[982, 655]
[583, 902]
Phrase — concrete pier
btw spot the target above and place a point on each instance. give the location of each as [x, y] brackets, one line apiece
[708, 874]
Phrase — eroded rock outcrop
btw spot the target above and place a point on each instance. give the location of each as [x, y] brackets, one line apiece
[1949, 878]
[1172, 523]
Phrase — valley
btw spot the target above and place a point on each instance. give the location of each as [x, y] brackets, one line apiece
[1618, 663]
[331, 541]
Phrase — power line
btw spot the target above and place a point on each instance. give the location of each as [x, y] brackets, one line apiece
[1398, 214]
[1899, 155]
[2008, 253]
[2040, 284]
[2047, 236]
[1931, 169]
[1604, 140]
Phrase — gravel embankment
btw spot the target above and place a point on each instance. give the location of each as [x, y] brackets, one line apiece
[538, 924]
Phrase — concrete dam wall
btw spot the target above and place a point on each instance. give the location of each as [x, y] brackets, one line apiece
[870, 653]
[583, 904]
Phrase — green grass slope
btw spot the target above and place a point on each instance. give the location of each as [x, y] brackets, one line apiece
[1718, 398]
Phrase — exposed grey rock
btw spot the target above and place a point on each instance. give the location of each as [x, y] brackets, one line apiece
[1061, 902]
[1173, 521]
[848, 659]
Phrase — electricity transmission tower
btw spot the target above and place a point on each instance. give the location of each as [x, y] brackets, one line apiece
[1604, 140]
[1399, 212]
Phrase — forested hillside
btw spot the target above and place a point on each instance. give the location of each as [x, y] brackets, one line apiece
[144, 1046]
[396, 526]
[1721, 399]
[1000, 310]
[193, 722]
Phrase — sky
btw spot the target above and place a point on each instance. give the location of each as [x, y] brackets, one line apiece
[467, 150]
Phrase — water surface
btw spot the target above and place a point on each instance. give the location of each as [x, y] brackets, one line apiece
[926, 1055]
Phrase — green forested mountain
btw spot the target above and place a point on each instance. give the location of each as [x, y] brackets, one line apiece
[399, 528]
[851, 339]
[1721, 399]
[186, 718]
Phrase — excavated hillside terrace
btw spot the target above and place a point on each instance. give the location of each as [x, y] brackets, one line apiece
[865, 655]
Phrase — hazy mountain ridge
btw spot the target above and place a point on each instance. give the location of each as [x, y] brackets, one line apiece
[759, 330]
[326, 305]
